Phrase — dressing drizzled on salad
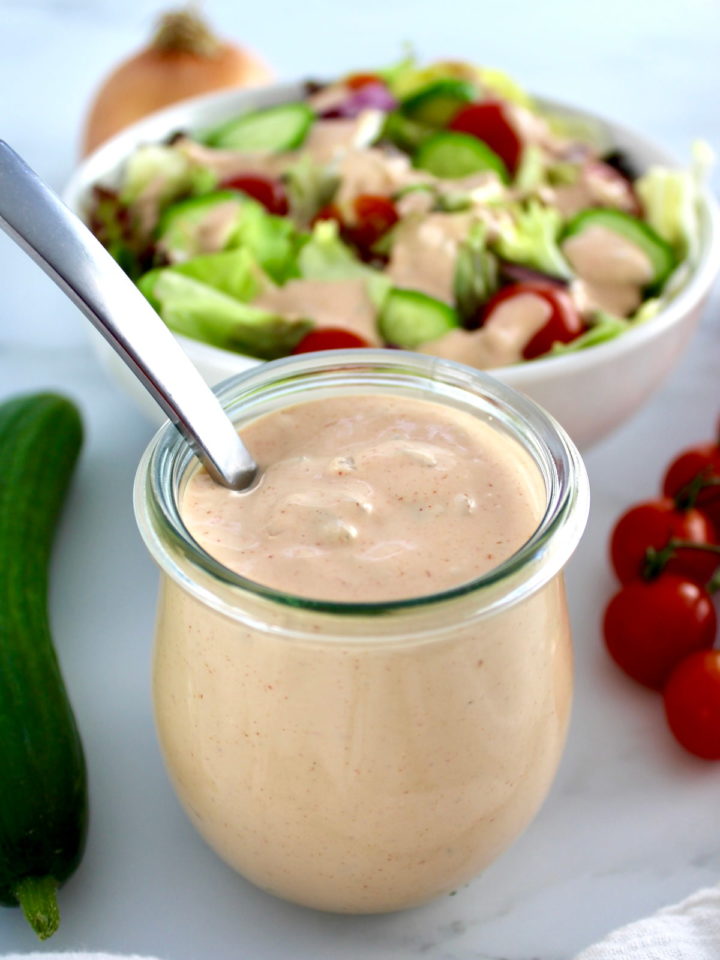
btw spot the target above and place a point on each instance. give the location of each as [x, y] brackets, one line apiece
[431, 208]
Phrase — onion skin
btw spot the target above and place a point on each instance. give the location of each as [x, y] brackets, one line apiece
[162, 74]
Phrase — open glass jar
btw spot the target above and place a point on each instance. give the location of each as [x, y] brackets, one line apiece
[364, 757]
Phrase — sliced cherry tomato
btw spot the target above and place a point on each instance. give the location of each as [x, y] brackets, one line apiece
[488, 122]
[329, 338]
[651, 625]
[692, 704]
[356, 81]
[653, 524]
[270, 193]
[328, 212]
[702, 461]
[374, 216]
[563, 325]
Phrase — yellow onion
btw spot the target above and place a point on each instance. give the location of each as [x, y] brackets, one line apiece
[184, 59]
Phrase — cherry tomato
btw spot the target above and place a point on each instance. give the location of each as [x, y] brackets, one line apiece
[329, 338]
[356, 81]
[692, 704]
[270, 193]
[650, 625]
[487, 121]
[563, 325]
[328, 212]
[702, 460]
[653, 524]
[374, 216]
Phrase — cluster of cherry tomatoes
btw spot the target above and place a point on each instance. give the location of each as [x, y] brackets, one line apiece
[660, 627]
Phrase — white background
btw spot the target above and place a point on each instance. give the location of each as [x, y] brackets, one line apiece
[632, 822]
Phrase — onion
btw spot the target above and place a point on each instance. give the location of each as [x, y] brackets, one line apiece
[372, 96]
[184, 59]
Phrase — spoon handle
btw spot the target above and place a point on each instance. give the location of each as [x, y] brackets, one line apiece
[36, 219]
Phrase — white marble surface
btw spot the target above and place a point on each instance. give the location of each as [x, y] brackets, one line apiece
[632, 822]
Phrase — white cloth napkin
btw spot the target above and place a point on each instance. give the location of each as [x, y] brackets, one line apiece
[689, 930]
[686, 931]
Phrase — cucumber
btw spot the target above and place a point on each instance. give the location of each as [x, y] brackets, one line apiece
[43, 801]
[177, 231]
[409, 318]
[273, 130]
[453, 155]
[438, 102]
[404, 133]
[658, 251]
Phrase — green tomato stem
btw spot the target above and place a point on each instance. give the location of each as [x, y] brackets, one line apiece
[36, 896]
[656, 560]
[686, 497]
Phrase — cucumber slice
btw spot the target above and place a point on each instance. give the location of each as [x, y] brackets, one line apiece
[272, 130]
[180, 223]
[659, 253]
[404, 133]
[409, 318]
[438, 102]
[454, 155]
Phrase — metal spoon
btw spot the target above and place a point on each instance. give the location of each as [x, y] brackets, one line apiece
[36, 219]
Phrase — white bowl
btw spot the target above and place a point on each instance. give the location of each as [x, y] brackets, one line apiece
[590, 392]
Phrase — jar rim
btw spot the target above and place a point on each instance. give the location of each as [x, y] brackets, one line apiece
[169, 458]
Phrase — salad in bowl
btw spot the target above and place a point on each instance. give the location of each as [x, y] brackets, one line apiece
[432, 208]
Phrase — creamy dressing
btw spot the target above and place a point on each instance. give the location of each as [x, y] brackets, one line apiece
[366, 774]
[612, 272]
[328, 97]
[373, 171]
[209, 236]
[327, 141]
[340, 304]
[226, 164]
[500, 342]
[370, 498]
[597, 185]
[388, 173]
[424, 252]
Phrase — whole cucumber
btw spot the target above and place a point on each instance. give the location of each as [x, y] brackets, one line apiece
[43, 787]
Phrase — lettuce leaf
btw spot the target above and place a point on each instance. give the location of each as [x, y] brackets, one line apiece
[503, 86]
[309, 186]
[168, 171]
[606, 326]
[528, 235]
[670, 200]
[326, 257]
[476, 273]
[572, 126]
[406, 77]
[273, 241]
[205, 299]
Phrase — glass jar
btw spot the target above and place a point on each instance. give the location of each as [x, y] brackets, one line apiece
[364, 757]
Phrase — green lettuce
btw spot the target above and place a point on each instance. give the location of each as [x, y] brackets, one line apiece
[326, 257]
[606, 326]
[407, 77]
[528, 235]
[206, 299]
[670, 200]
[168, 171]
[476, 273]
[573, 126]
[310, 186]
[503, 86]
[274, 242]
[233, 272]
